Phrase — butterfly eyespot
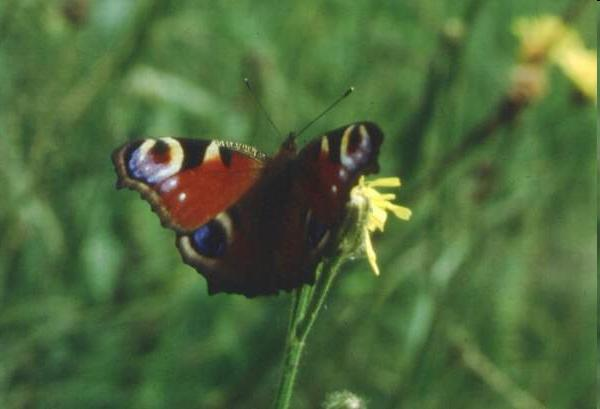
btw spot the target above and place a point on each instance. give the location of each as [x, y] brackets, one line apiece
[355, 147]
[155, 160]
[210, 240]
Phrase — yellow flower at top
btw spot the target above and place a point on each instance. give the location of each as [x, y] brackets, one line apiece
[377, 205]
[539, 36]
[547, 39]
[579, 65]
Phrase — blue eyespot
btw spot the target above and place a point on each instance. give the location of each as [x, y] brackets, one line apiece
[210, 240]
[316, 232]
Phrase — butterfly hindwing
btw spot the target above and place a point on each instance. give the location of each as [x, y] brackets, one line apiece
[187, 181]
[240, 250]
[273, 237]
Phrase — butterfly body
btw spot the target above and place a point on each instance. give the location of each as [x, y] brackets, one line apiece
[251, 224]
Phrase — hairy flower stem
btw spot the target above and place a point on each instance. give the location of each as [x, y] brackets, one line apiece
[306, 304]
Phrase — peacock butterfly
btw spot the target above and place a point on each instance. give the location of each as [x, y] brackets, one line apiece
[251, 224]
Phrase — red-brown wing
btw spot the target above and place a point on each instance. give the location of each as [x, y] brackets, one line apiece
[330, 166]
[187, 181]
[273, 238]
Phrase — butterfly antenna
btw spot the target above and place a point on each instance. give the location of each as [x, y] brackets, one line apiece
[326, 110]
[262, 108]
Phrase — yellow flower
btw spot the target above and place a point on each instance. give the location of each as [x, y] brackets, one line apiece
[539, 36]
[377, 205]
[580, 65]
[547, 39]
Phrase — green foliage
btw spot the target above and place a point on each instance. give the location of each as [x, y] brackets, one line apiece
[487, 296]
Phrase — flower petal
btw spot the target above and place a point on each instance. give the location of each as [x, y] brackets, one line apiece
[384, 182]
[400, 212]
[387, 196]
[371, 256]
[579, 65]
[377, 218]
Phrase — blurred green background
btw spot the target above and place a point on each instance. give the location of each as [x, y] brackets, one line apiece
[487, 297]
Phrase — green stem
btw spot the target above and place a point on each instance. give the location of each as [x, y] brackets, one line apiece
[293, 349]
[290, 370]
[306, 305]
[328, 274]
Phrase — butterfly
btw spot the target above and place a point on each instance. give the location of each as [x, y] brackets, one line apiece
[249, 223]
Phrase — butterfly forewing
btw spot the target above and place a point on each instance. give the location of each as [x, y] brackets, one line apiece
[187, 181]
[330, 165]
